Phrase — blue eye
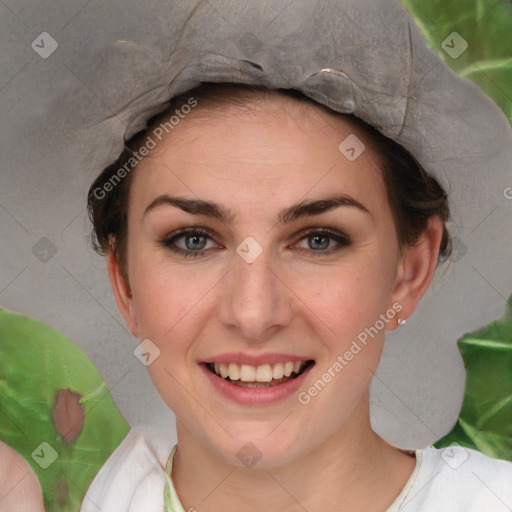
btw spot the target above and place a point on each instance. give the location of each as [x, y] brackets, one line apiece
[196, 239]
[318, 240]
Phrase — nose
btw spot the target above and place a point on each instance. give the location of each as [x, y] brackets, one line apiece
[256, 299]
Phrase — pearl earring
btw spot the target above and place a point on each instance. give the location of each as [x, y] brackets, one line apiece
[401, 322]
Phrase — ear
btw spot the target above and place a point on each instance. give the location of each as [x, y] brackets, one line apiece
[122, 293]
[417, 269]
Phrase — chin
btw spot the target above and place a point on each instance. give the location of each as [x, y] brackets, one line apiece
[259, 451]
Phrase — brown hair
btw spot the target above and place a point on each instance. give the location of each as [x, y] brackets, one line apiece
[414, 196]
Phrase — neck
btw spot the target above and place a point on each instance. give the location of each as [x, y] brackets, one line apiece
[352, 470]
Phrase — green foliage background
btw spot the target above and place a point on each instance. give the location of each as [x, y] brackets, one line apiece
[36, 361]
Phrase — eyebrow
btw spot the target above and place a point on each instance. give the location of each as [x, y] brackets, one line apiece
[285, 216]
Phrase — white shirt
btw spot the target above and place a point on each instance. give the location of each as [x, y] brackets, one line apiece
[452, 479]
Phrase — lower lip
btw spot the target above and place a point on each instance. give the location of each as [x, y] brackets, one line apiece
[255, 396]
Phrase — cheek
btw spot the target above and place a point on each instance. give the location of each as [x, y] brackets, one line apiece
[172, 303]
[347, 309]
[165, 311]
[158, 290]
[348, 298]
[162, 302]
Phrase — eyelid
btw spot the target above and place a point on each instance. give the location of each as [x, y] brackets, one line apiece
[342, 240]
[179, 233]
[324, 230]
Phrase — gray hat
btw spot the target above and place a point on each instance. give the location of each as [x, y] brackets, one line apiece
[367, 58]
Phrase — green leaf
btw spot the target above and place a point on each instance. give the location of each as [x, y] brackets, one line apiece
[36, 364]
[485, 420]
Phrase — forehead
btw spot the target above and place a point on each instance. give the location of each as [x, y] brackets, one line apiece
[274, 147]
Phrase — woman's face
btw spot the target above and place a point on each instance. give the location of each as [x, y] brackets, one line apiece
[255, 287]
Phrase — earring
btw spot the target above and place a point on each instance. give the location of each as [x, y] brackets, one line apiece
[401, 322]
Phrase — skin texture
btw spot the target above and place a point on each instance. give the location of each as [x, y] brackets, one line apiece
[19, 487]
[319, 456]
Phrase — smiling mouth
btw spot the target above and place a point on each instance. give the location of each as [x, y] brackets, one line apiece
[248, 379]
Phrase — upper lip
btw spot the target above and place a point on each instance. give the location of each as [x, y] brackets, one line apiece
[255, 360]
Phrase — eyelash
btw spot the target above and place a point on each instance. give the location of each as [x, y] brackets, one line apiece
[342, 239]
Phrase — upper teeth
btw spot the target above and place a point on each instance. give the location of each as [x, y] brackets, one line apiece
[263, 373]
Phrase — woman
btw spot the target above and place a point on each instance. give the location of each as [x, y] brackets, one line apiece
[260, 244]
